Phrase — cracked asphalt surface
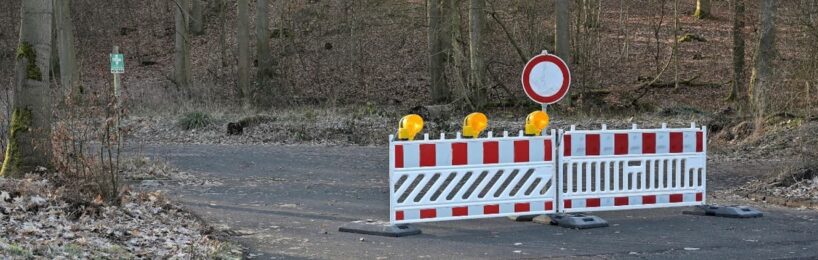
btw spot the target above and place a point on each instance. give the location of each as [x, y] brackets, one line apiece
[287, 202]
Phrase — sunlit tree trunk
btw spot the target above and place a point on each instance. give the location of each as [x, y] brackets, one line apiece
[702, 9]
[29, 143]
[477, 64]
[763, 71]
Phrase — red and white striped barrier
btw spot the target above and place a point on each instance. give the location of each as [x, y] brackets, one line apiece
[449, 179]
[605, 169]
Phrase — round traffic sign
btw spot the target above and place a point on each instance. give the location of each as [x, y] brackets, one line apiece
[546, 79]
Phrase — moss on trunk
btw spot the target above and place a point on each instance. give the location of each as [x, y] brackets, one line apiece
[20, 123]
[26, 51]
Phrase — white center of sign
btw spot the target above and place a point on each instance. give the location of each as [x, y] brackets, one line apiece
[546, 79]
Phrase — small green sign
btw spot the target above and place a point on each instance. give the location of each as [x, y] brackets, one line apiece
[117, 63]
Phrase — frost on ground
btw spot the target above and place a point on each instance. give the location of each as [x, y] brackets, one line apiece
[39, 220]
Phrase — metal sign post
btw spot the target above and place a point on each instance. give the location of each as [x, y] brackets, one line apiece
[117, 68]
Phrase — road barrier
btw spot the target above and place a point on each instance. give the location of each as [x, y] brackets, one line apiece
[558, 173]
[632, 169]
[599, 170]
[468, 178]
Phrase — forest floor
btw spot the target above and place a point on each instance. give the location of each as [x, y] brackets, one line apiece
[43, 218]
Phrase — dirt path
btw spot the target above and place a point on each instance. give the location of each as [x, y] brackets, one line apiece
[288, 202]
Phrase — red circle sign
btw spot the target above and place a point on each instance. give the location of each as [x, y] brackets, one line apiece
[546, 79]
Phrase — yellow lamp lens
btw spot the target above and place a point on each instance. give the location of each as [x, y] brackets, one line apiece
[474, 124]
[538, 120]
[410, 125]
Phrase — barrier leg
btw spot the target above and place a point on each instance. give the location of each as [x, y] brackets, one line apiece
[733, 211]
[572, 220]
[379, 228]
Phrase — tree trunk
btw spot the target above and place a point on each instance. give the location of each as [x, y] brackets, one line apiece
[181, 67]
[458, 54]
[244, 52]
[196, 17]
[561, 34]
[477, 65]
[737, 93]
[763, 72]
[223, 31]
[69, 73]
[29, 143]
[437, 81]
[265, 59]
[702, 9]
[675, 43]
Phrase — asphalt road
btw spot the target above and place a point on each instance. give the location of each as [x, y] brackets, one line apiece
[287, 202]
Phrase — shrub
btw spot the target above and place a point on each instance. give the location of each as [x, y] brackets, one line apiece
[195, 120]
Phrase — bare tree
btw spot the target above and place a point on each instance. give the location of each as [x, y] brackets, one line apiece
[69, 72]
[223, 31]
[738, 93]
[182, 59]
[702, 9]
[761, 80]
[196, 17]
[265, 59]
[244, 52]
[477, 91]
[29, 144]
[437, 56]
[563, 14]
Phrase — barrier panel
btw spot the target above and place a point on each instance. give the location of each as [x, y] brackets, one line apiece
[452, 179]
[603, 170]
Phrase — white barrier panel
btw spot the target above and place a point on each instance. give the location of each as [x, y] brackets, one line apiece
[602, 170]
[438, 180]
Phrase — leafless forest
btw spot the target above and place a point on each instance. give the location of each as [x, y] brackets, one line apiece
[344, 71]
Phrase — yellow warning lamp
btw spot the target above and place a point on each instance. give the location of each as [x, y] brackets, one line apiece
[409, 127]
[536, 122]
[474, 124]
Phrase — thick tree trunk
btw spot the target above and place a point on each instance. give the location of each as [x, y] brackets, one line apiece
[196, 17]
[561, 34]
[223, 31]
[182, 63]
[738, 93]
[29, 144]
[458, 54]
[437, 57]
[244, 52]
[69, 73]
[702, 9]
[477, 65]
[265, 59]
[763, 70]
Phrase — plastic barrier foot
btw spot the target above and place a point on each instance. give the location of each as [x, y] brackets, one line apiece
[573, 220]
[523, 218]
[726, 211]
[379, 228]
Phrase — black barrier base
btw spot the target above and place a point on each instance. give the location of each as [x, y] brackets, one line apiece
[573, 220]
[523, 218]
[726, 211]
[379, 228]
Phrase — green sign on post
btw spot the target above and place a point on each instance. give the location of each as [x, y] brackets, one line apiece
[117, 63]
